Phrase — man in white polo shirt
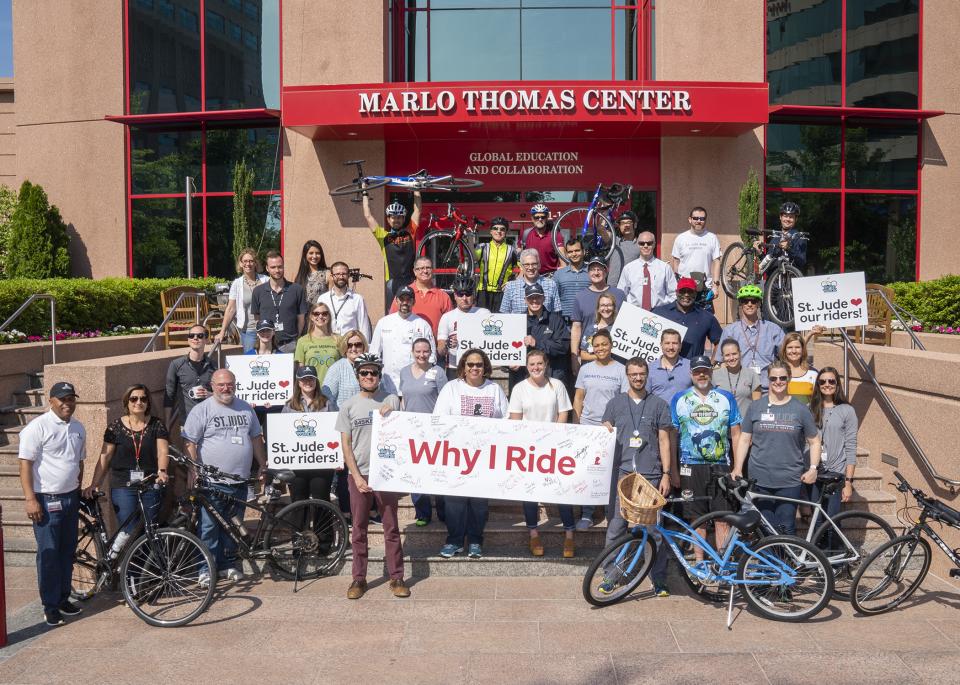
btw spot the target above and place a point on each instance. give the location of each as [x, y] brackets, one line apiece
[52, 450]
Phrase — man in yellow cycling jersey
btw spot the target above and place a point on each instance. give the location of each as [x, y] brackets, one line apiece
[497, 259]
[398, 242]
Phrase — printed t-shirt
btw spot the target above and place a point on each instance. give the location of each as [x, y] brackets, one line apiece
[704, 425]
[780, 432]
[801, 387]
[459, 398]
[319, 353]
[356, 418]
[224, 434]
[599, 384]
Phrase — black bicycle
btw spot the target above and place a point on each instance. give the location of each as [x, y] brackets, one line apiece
[158, 571]
[895, 570]
[301, 541]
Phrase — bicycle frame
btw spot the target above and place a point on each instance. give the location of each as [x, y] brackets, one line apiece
[247, 550]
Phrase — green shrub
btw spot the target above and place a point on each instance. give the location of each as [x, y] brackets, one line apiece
[935, 303]
[84, 304]
[748, 205]
[37, 244]
[8, 202]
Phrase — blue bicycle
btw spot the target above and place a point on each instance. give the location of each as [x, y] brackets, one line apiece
[418, 181]
[784, 578]
[595, 223]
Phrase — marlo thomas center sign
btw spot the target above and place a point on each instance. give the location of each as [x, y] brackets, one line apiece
[534, 100]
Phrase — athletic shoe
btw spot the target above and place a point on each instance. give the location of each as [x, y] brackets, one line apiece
[420, 523]
[584, 524]
[68, 608]
[448, 551]
[475, 552]
[660, 590]
[234, 574]
[203, 580]
[53, 617]
[606, 587]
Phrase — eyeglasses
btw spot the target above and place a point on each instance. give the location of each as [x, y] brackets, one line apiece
[781, 379]
[539, 217]
[530, 265]
[698, 219]
[463, 293]
[645, 243]
[497, 228]
[366, 373]
[343, 274]
[355, 346]
[827, 381]
[224, 385]
[319, 313]
[138, 398]
[751, 300]
[424, 268]
[196, 336]
[474, 365]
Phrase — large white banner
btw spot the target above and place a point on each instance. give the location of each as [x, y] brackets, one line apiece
[831, 301]
[263, 380]
[495, 458]
[304, 441]
[636, 333]
[499, 335]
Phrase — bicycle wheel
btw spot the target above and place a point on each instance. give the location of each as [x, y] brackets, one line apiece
[160, 577]
[778, 295]
[450, 256]
[891, 574]
[599, 235]
[86, 561]
[620, 568]
[454, 184]
[737, 268]
[805, 565]
[712, 591]
[306, 539]
[354, 188]
[864, 530]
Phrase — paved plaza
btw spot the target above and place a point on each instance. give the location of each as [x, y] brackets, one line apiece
[535, 630]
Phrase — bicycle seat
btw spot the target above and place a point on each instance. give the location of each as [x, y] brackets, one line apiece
[354, 161]
[756, 233]
[744, 521]
[282, 475]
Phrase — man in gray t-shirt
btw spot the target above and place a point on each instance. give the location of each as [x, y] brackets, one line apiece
[223, 431]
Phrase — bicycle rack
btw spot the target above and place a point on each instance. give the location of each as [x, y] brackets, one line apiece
[53, 318]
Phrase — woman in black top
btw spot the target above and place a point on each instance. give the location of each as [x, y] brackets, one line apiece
[134, 447]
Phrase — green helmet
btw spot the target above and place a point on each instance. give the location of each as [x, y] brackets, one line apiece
[749, 290]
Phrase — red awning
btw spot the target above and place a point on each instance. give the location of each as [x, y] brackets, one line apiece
[523, 109]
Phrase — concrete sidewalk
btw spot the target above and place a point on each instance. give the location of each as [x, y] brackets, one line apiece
[477, 630]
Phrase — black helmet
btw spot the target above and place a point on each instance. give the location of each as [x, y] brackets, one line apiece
[463, 282]
[629, 214]
[790, 208]
[367, 359]
[500, 221]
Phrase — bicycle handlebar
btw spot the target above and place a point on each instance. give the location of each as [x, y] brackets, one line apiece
[206, 470]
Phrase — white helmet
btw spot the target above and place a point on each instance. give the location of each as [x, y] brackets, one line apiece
[539, 208]
[396, 209]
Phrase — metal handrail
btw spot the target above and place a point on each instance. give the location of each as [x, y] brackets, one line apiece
[151, 344]
[896, 309]
[53, 318]
[900, 424]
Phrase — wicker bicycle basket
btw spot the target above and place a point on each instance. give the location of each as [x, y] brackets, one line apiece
[639, 500]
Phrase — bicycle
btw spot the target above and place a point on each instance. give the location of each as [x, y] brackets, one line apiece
[450, 249]
[421, 180]
[595, 223]
[896, 569]
[302, 541]
[158, 571]
[845, 539]
[784, 578]
[746, 265]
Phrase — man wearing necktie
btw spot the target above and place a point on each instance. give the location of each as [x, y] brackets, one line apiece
[648, 282]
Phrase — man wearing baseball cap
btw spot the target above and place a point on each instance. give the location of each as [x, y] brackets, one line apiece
[395, 333]
[707, 421]
[52, 450]
[546, 331]
[700, 323]
[585, 306]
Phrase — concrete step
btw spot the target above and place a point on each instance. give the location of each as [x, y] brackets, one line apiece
[8, 493]
[35, 378]
[876, 501]
[867, 478]
[19, 551]
[10, 435]
[863, 458]
[26, 414]
[9, 476]
[34, 397]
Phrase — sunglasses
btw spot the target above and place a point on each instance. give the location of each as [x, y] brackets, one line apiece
[319, 314]
[827, 381]
[539, 217]
[355, 346]
[645, 243]
[698, 219]
[366, 373]
[781, 379]
[497, 228]
[751, 300]
[463, 293]
[196, 336]
[474, 365]
[138, 398]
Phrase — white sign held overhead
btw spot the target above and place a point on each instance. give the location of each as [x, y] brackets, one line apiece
[636, 333]
[831, 301]
[500, 336]
[263, 380]
[304, 441]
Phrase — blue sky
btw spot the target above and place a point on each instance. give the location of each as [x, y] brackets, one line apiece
[6, 40]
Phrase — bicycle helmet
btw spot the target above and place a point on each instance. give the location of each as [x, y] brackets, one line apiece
[396, 209]
[749, 290]
[629, 214]
[500, 221]
[462, 282]
[539, 208]
[367, 359]
[790, 208]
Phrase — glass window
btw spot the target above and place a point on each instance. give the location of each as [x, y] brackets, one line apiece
[264, 231]
[820, 217]
[160, 160]
[627, 37]
[159, 238]
[883, 48]
[492, 54]
[243, 57]
[803, 53]
[881, 237]
[6, 40]
[227, 146]
[881, 156]
[164, 58]
[555, 41]
[803, 155]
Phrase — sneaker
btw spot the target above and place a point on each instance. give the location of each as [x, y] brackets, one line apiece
[398, 588]
[420, 523]
[448, 551]
[606, 587]
[53, 617]
[660, 590]
[203, 580]
[234, 574]
[475, 552]
[357, 589]
[68, 608]
[584, 524]
[376, 518]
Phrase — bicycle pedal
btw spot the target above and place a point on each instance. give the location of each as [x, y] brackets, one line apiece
[955, 573]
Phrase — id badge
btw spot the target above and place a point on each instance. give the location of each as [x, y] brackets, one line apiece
[756, 369]
[278, 327]
[686, 471]
[236, 440]
[431, 375]
[637, 442]
[136, 476]
[767, 417]
[54, 505]
[643, 281]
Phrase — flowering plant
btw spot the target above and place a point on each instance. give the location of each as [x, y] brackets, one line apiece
[14, 336]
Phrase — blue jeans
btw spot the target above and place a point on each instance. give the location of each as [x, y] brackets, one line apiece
[421, 505]
[220, 544]
[466, 519]
[531, 511]
[249, 341]
[56, 536]
[125, 503]
[783, 515]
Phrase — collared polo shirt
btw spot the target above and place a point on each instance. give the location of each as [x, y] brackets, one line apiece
[759, 344]
[700, 325]
[570, 283]
[56, 449]
[431, 304]
[666, 383]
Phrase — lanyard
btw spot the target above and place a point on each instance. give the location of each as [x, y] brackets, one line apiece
[735, 383]
[337, 310]
[276, 302]
[137, 445]
[756, 341]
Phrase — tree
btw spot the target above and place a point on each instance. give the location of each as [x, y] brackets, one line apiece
[242, 207]
[37, 245]
[8, 202]
[748, 204]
